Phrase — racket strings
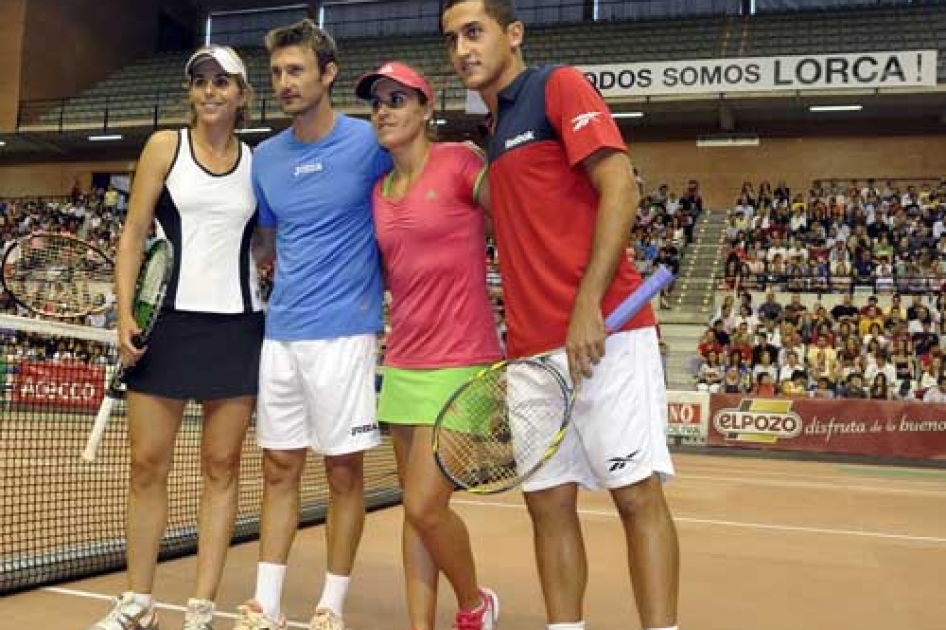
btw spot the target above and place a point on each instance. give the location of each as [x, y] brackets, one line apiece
[502, 426]
[58, 275]
[152, 282]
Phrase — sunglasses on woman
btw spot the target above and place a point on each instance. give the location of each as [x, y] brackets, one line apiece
[395, 100]
[219, 81]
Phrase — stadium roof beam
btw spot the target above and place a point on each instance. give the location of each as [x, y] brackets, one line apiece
[727, 120]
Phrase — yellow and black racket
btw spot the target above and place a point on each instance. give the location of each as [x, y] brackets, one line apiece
[502, 425]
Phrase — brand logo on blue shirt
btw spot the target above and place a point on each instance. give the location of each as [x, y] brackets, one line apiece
[305, 169]
[522, 138]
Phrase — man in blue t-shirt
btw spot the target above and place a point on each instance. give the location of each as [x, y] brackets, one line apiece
[313, 184]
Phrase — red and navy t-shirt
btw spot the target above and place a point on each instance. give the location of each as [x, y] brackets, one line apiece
[545, 208]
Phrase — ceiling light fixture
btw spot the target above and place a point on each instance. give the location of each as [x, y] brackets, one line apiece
[725, 141]
[835, 108]
[255, 130]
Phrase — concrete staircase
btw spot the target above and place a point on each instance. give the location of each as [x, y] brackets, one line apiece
[681, 341]
[700, 270]
[692, 301]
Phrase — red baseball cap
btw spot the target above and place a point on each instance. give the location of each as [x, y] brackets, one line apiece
[396, 71]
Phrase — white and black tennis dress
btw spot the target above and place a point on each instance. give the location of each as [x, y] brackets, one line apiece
[207, 341]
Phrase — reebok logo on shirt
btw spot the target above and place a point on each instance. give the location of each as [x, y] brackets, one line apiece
[304, 169]
[522, 138]
[583, 120]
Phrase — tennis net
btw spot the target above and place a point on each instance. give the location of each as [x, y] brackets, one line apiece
[62, 518]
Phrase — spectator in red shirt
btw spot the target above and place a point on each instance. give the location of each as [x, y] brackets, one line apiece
[709, 343]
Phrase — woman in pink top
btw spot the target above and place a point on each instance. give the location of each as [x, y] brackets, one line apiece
[431, 231]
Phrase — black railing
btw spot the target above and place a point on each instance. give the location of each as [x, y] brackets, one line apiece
[904, 283]
[148, 110]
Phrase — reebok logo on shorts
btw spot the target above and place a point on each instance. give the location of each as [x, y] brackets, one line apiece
[364, 428]
[620, 463]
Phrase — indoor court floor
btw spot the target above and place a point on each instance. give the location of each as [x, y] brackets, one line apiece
[766, 544]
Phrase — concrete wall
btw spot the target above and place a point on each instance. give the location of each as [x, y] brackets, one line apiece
[12, 16]
[51, 179]
[721, 171]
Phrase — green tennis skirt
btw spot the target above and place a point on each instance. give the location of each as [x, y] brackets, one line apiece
[413, 396]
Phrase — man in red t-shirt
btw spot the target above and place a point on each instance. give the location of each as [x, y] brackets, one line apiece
[563, 201]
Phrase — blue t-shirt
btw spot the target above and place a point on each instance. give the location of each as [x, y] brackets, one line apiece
[317, 196]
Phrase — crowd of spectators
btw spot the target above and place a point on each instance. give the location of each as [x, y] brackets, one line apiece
[18, 345]
[851, 240]
[838, 237]
[852, 350]
[664, 228]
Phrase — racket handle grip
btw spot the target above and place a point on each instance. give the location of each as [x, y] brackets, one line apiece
[636, 301]
[98, 428]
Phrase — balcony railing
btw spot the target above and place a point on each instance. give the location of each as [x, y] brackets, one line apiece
[152, 110]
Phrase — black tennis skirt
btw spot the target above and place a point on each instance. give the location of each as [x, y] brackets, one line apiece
[200, 356]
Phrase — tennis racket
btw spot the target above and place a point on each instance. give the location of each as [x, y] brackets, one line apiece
[502, 425]
[57, 275]
[150, 288]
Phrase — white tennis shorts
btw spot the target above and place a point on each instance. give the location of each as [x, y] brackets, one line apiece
[618, 434]
[318, 394]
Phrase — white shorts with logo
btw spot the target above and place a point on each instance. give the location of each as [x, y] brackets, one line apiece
[618, 432]
[318, 394]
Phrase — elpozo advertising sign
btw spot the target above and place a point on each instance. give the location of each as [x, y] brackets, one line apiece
[866, 70]
[879, 428]
[759, 421]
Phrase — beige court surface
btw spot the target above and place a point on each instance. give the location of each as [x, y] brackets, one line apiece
[766, 545]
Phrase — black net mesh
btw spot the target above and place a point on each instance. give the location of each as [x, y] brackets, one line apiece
[61, 517]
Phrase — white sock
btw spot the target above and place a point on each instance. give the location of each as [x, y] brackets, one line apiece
[145, 600]
[667, 628]
[333, 593]
[269, 581]
[573, 625]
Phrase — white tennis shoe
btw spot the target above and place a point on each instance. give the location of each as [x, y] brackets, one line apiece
[127, 614]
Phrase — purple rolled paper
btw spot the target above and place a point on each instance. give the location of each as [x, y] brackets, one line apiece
[636, 301]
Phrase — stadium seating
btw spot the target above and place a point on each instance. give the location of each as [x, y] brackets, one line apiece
[898, 235]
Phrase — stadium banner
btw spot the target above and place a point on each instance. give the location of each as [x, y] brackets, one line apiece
[63, 385]
[890, 69]
[846, 426]
[688, 415]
